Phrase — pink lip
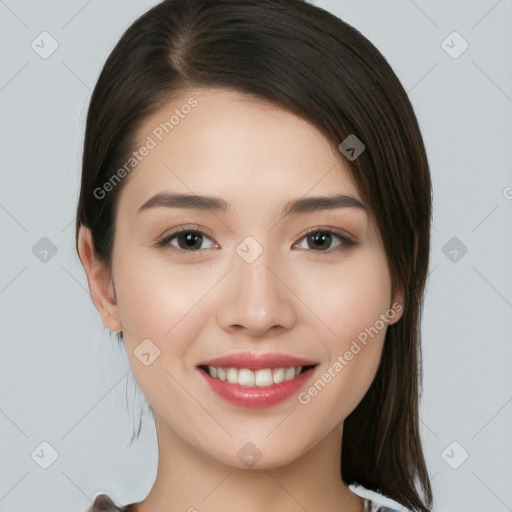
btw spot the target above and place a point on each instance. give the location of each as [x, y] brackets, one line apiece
[256, 361]
[256, 397]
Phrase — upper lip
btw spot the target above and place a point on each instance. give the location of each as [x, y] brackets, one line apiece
[255, 361]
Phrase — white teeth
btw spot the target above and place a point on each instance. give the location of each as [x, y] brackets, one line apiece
[232, 375]
[245, 377]
[262, 377]
[278, 375]
[289, 373]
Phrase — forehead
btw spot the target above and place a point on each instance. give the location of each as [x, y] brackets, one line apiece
[227, 144]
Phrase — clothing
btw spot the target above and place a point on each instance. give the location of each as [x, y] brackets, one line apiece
[104, 503]
[375, 503]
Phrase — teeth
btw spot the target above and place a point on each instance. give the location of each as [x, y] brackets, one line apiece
[246, 377]
[232, 375]
[261, 377]
[289, 373]
[278, 375]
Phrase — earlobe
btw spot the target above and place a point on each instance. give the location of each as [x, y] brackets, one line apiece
[396, 306]
[398, 295]
[99, 280]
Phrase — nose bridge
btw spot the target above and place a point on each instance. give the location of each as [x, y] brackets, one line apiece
[255, 299]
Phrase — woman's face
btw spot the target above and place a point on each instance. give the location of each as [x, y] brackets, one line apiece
[265, 267]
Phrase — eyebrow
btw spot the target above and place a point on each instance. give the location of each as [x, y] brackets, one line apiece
[296, 207]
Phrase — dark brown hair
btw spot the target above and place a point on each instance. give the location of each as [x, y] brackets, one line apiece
[303, 59]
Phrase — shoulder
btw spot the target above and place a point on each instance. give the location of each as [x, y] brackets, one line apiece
[375, 502]
[103, 503]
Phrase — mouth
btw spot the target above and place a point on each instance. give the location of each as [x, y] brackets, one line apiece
[256, 380]
[261, 377]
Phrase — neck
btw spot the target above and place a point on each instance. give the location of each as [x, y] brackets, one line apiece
[192, 481]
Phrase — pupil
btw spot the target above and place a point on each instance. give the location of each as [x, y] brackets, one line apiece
[191, 240]
[320, 239]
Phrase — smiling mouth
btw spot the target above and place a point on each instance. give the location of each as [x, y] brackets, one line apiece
[263, 377]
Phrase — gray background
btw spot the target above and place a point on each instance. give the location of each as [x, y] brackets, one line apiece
[65, 382]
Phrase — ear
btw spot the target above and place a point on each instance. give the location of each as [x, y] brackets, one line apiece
[396, 305]
[398, 296]
[99, 280]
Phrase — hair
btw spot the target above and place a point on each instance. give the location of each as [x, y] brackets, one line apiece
[301, 58]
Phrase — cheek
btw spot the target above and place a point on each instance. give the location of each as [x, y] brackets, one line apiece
[167, 305]
[156, 298]
[142, 300]
[349, 300]
[157, 303]
[349, 296]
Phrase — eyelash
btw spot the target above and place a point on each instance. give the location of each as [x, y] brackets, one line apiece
[345, 241]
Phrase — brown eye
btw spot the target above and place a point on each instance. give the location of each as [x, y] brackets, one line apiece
[189, 240]
[321, 240]
[186, 240]
[324, 240]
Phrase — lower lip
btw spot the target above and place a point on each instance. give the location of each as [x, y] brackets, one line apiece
[256, 397]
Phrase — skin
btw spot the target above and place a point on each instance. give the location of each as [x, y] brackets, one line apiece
[195, 306]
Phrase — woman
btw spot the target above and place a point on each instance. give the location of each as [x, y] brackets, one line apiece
[254, 222]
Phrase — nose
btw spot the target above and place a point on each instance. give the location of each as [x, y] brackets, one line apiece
[254, 300]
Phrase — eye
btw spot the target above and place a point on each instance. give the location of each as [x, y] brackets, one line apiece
[323, 240]
[186, 239]
[193, 240]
